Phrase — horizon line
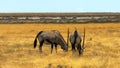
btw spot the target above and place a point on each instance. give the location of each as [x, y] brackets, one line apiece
[59, 12]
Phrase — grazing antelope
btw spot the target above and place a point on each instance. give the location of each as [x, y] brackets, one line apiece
[53, 37]
[75, 40]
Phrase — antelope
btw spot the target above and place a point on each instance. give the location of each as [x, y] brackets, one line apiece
[75, 40]
[53, 37]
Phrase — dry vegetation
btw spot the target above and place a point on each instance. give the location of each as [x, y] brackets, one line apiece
[102, 47]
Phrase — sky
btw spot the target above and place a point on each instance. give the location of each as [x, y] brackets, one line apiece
[59, 5]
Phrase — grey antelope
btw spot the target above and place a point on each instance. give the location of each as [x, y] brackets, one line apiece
[75, 40]
[53, 37]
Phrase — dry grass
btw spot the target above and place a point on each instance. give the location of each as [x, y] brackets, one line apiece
[102, 47]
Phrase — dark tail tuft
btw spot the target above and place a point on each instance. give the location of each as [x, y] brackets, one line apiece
[75, 35]
[35, 41]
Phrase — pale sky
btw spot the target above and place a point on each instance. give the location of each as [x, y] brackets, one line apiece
[59, 5]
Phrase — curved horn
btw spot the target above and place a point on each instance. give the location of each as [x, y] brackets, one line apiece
[83, 39]
[68, 37]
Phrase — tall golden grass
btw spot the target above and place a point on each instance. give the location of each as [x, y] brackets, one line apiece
[102, 47]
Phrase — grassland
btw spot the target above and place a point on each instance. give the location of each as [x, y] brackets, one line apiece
[102, 47]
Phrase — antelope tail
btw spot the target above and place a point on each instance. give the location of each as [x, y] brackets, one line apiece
[35, 41]
[75, 36]
[68, 37]
[83, 39]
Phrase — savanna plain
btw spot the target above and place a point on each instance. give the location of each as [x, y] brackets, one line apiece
[102, 46]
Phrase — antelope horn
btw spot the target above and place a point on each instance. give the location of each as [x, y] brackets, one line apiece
[68, 37]
[83, 39]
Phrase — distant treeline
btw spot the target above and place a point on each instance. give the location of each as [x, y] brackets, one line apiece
[59, 17]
